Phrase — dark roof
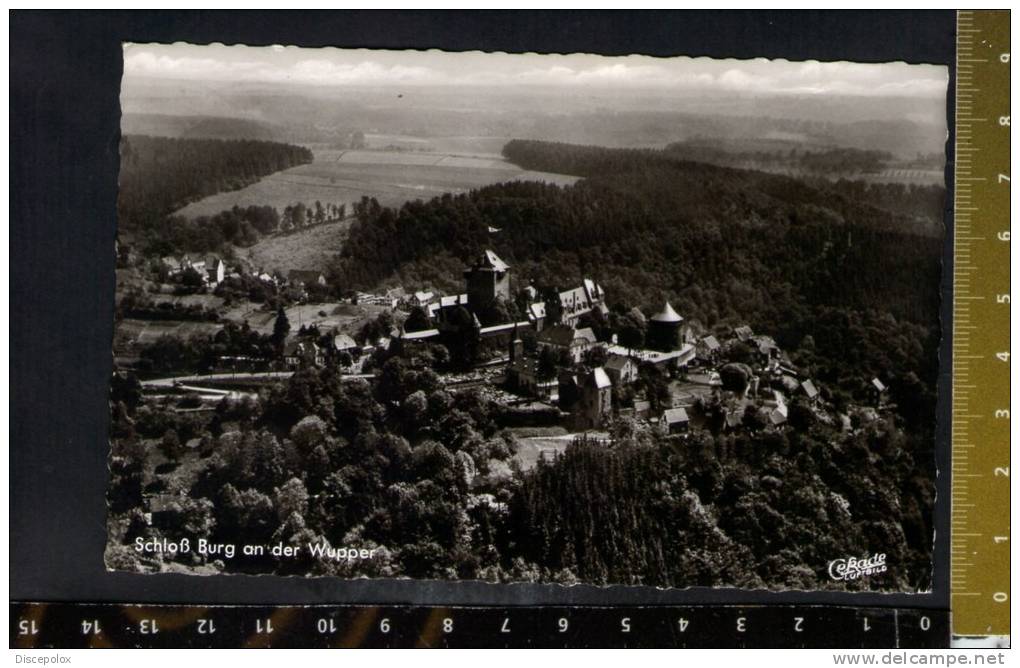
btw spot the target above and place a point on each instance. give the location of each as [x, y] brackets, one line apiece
[618, 362]
[564, 336]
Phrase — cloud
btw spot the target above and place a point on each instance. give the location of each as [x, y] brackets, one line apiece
[339, 67]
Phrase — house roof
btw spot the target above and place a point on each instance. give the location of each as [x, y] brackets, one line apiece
[878, 385]
[537, 310]
[809, 389]
[564, 335]
[778, 415]
[574, 299]
[593, 289]
[618, 362]
[490, 260]
[600, 378]
[667, 315]
[711, 342]
[675, 416]
[344, 342]
[423, 296]
[743, 332]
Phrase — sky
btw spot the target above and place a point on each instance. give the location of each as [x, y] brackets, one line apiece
[331, 67]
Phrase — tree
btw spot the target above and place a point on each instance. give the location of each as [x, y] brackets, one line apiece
[417, 320]
[735, 377]
[630, 334]
[595, 357]
[281, 327]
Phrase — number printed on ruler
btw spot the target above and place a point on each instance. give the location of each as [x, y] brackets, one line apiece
[981, 302]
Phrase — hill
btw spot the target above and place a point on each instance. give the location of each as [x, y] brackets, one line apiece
[161, 174]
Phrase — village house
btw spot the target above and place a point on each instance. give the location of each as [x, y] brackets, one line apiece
[707, 350]
[877, 391]
[305, 278]
[764, 348]
[622, 369]
[563, 337]
[215, 271]
[536, 315]
[211, 268]
[343, 343]
[587, 396]
[298, 353]
[422, 298]
[810, 391]
[581, 300]
[523, 376]
[743, 333]
[675, 420]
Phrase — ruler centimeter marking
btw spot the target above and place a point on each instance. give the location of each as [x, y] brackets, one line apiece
[980, 497]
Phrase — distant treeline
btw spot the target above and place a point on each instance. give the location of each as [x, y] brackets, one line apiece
[822, 160]
[910, 201]
[160, 174]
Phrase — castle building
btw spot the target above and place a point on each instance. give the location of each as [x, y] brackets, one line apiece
[587, 396]
[664, 329]
[488, 279]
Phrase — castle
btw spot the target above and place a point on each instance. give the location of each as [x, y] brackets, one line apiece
[487, 280]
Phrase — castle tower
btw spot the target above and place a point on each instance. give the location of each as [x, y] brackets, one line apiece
[487, 279]
[664, 329]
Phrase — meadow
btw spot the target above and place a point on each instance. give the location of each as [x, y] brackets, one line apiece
[309, 248]
[392, 177]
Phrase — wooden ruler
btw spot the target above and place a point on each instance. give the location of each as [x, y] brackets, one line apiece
[980, 535]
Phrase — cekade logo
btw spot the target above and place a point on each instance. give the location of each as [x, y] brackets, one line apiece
[854, 568]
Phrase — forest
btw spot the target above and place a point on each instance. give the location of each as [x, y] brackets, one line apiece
[842, 282]
[428, 477]
[159, 175]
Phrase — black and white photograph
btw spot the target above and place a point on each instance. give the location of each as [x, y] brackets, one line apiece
[519, 317]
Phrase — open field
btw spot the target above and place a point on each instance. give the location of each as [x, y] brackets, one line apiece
[346, 317]
[144, 332]
[532, 448]
[309, 248]
[392, 177]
